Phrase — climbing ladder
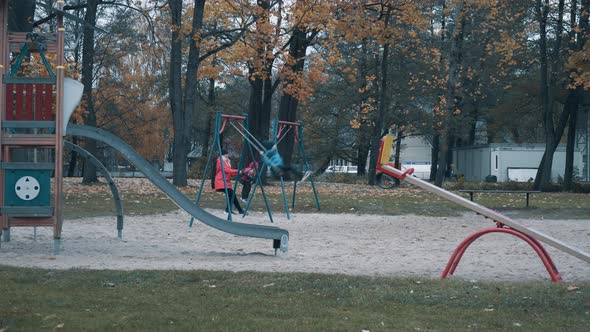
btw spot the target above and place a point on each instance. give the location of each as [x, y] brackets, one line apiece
[31, 128]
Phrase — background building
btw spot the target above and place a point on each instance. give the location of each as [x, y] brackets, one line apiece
[510, 162]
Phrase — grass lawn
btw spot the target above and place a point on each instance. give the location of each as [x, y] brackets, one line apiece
[76, 300]
[139, 197]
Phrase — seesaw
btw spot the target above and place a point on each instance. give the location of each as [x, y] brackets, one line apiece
[504, 224]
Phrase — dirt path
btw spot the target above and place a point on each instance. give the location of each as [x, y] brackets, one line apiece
[325, 243]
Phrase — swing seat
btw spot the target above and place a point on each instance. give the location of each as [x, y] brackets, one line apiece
[272, 158]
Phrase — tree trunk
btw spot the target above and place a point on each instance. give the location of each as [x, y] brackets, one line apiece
[288, 104]
[434, 157]
[255, 108]
[364, 146]
[364, 133]
[189, 107]
[547, 90]
[205, 131]
[435, 127]
[87, 80]
[568, 177]
[179, 150]
[73, 154]
[380, 118]
[183, 109]
[265, 112]
[451, 97]
[562, 123]
[20, 16]
[582, 35]
[261, 87]
[73, 159]
[542, 177]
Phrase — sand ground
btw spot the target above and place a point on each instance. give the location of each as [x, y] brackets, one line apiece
[407, 245]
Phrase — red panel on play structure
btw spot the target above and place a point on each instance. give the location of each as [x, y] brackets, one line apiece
[9, 102]
[48, 105]
[28, 115]
[29, 102]
[19, 102]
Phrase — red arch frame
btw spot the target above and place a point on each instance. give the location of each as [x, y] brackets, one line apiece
[534, 243]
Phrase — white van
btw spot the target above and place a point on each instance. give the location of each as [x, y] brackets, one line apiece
[341, 169]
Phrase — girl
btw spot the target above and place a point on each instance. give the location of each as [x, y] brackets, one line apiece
[248, 174]
[226, 186]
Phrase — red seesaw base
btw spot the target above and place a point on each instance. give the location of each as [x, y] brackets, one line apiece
[536, 245]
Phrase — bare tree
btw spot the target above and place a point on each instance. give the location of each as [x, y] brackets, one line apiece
[87, 80]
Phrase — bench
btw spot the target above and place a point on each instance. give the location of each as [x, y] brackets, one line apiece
[526, 192]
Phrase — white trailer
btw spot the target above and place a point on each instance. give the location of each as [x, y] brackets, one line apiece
[509, 162]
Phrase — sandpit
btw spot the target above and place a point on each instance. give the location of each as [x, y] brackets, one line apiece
[372, 245]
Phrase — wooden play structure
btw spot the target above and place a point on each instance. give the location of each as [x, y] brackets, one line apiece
[31, 127]
[36, 103]
[504, 224]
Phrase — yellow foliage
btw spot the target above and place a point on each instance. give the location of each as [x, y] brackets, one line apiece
[579, 64]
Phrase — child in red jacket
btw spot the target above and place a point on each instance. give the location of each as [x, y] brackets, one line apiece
[226, 186]
[248, 174]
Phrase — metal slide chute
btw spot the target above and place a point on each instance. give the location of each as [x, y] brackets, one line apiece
[279, 236]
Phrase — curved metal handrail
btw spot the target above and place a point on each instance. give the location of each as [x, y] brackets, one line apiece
[117, 198]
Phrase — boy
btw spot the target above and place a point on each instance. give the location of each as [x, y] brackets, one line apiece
[273, 159]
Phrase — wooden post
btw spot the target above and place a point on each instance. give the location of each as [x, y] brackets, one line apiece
[3, 66]
[59, 128]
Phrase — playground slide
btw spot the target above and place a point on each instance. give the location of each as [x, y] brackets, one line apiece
[489, 213]
[280, 236]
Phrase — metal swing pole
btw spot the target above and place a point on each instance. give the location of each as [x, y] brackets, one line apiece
[298, 156]
[248, 143]
[301, 153]
[249, 138]
[205, 172]
[274, 137]
[258, 180]
[218, 117]
[216, 141]
[240, 165]
[252, 141]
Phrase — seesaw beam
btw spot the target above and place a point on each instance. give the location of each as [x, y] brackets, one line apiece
[487, 213]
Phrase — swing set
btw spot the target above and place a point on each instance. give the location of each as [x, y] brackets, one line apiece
[269, 157]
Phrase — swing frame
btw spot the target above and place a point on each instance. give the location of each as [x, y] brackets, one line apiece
[279, 133]
[221, 121]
